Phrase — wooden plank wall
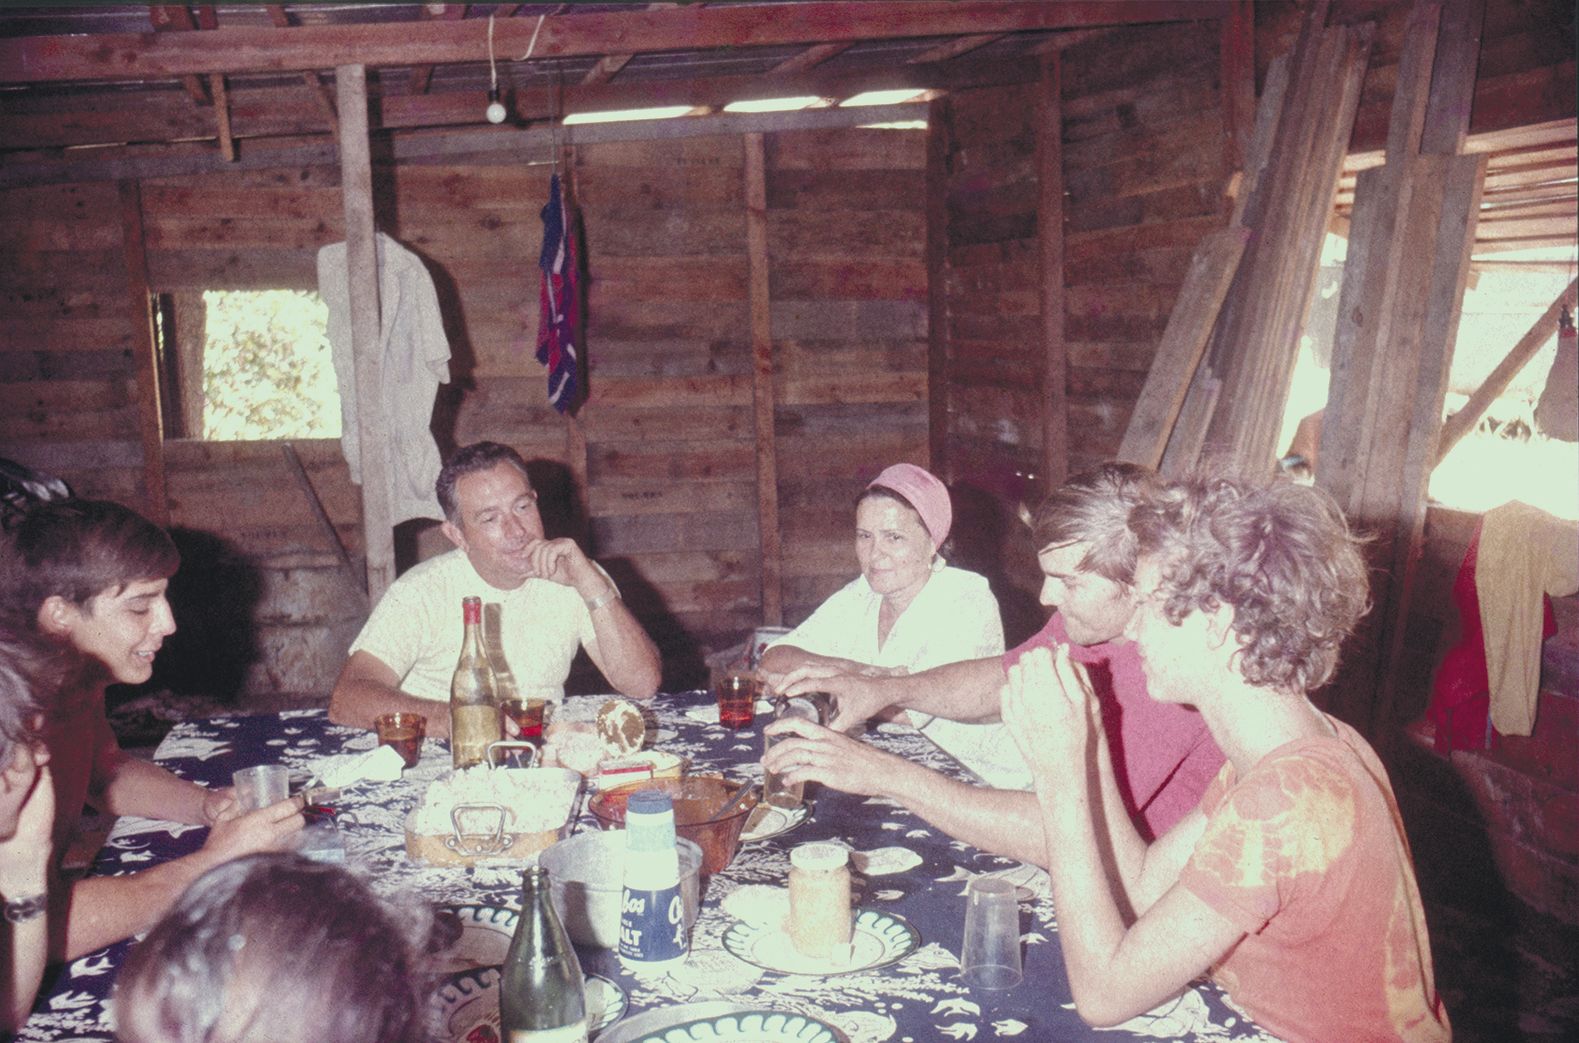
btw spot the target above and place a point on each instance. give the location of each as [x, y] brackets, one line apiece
[1145, 171]
[1144, 175]
[659, 472]
[68, 389]
[847, 252]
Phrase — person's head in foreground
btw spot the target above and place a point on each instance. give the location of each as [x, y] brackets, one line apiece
[901, 521]
[274, 948]
[93, 574]
[490, 511]
[1087, 551]
[30, 674]
[1261, 579]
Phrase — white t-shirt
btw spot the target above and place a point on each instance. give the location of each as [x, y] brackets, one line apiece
[954, 618]
[416, 629]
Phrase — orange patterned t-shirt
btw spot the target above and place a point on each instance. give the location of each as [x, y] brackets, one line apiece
[1307, 854]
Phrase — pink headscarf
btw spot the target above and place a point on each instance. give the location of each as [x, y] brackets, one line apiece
[926, 494]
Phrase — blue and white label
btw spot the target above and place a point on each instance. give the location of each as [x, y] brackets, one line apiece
[652, 927]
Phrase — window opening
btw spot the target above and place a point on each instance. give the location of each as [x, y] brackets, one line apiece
[246, 365]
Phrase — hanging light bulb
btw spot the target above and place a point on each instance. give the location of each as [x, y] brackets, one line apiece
[495, 110]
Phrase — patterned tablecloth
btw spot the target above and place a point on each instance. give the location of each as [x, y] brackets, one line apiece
[918, 999]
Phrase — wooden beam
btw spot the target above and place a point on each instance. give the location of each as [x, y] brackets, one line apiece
[605, 69]
[762, 370]
[134, 56]
[422, 75]
[314, 82]
[356, 184]
[1237, 59]
[953, 49]
[810, 57]
[227, 143]
[150, 414]
[1544, 329]
[1453, 77]
[274, 113]
[939, 128]
[508, 144]
[1183, 342]
[1049, 124]
[165, 17]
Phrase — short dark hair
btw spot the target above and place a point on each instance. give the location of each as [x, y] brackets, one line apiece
[32, 671]
[479, 456]
[1093, 507]
[1278, 553]
[276, 948]
[79, 549]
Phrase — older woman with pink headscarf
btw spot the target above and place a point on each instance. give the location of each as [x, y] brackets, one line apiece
[908, 610]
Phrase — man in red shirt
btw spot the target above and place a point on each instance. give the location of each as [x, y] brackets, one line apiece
[1087, 560]
[1292, 882]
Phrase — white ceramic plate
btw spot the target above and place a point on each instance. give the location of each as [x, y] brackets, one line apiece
[484, 938]
[775, 821]
[752, 1026]
[878, 939]
[466, 1007]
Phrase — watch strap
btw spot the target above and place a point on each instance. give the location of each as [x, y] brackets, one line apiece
[21, 910]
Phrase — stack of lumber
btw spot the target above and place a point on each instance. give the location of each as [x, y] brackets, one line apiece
[1220, 379]
[1413, 232]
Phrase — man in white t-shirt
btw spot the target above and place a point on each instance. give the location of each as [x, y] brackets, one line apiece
[551, 600]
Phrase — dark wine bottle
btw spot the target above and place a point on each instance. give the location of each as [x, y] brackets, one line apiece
[541, 997]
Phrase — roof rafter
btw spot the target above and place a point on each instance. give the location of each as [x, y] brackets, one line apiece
[147, 56]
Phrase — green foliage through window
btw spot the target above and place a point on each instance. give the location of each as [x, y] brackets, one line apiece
[267, 371]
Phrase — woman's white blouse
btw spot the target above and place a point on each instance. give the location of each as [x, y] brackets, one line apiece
[953, 618]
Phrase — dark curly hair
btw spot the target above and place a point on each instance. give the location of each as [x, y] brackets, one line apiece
[1279, 554]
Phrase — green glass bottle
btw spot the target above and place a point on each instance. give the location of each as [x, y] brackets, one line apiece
[541, 998]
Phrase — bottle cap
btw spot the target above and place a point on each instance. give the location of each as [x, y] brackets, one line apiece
[819, 856]
[649, 821]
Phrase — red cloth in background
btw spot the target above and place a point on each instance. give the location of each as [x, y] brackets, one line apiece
[1461, 695]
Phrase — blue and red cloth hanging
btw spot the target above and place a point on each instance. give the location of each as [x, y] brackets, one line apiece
[559, 320]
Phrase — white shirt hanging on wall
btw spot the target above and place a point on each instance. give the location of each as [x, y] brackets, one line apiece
[415, 356]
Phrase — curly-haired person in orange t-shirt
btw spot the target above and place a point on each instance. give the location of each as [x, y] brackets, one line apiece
[1291, 883]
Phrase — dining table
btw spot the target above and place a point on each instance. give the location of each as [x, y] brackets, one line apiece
[911, 880]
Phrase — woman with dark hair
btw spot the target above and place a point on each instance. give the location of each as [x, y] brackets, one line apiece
[91, 576]
[29, 676]
[276, 948]
[908, 610]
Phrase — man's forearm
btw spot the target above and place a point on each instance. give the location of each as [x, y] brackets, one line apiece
[1004, 822]
[627, 656]
[140, 787]
[103, 910]
[356, 703]
[964, 691]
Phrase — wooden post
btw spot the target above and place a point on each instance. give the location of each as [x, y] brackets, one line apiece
[1459, 424]
[361, 250]
[1050, 236]
[150, 415]
[938, 122]
[575, 426]
[1237, 59]
[762, 380]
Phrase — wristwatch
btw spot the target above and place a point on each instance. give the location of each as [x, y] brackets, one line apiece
[21, 910]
